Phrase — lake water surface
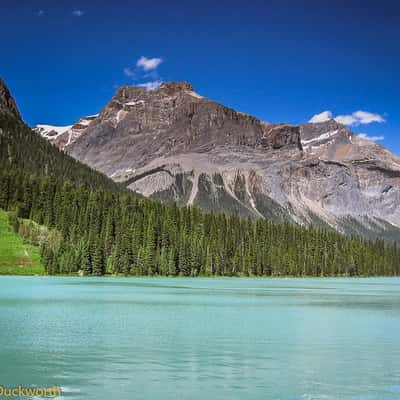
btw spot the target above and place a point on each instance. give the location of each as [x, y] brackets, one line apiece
[159, 338]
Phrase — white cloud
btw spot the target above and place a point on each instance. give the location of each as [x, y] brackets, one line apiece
[145, 74]
[129, 72]
[356, 118]
[153, 75]
[365, 117]
[347, 119]
[321, 117]
[372, 138]
[40, 13]
[151, 85]
[78, 13]
[148, 63]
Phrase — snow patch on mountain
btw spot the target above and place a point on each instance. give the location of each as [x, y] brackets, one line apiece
[134, 103]
[195, 95]
[319, 138]
[51, 130]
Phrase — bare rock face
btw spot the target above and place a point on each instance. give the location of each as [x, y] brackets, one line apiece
[7, 103]
[282, 135]
[175, 145]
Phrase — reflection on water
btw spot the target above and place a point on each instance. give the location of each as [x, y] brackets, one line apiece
[159, 338]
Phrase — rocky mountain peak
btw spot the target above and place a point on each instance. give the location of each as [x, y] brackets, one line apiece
[7, 103]
[124, 93]
[324, 135]
[127, 93]
[176, 87]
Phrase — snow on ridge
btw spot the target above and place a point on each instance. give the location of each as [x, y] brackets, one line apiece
[196, 95]
[44, 130]
[118, 116]
[134, 103]
[69, 138]
[84, 121]
[320, 138]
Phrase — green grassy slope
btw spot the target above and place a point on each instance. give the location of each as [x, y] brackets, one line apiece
[17, 257]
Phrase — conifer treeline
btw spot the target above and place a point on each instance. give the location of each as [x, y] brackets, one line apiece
[119, 232]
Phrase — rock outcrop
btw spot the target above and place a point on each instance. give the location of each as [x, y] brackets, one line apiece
[7, 103]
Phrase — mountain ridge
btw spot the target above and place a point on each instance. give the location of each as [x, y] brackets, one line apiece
[176, 145]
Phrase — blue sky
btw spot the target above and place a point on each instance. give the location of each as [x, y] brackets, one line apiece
[283, 61]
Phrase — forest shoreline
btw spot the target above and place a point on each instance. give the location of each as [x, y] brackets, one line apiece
[272, 277]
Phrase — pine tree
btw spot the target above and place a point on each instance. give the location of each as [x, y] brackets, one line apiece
[85, 260]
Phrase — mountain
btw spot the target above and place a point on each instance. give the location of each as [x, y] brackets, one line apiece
[95, 226]
[175, 145]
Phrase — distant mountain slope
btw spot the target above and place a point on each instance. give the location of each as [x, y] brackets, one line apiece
[175, 145]
[64, 136]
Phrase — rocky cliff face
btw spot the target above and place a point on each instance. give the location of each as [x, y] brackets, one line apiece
[176, 145]
[7, 103]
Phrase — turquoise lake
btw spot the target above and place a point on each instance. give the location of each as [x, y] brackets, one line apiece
[160, 338]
